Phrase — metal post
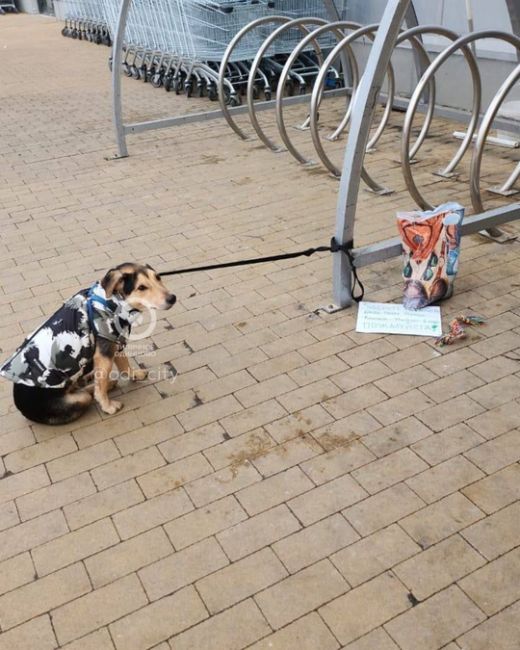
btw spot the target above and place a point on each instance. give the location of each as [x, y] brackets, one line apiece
[117, 52]
[332, 10]
[362, 114]
[513, 7]
[471, 24]
[411, 21]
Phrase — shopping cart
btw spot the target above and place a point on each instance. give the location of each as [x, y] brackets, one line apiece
[84, 20]
[8, 6]
[179, 44]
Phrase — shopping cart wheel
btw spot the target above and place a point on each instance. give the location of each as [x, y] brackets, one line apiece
[64, 31]
[74, 33]
[267, 95]
[156, 80]
[167, 84]
[134, 72]
[126, 69]
[110, 63]
[177, 86]
[188, 88]
[234, 100]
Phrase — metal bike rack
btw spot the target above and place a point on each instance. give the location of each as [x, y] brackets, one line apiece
[412, 107]
[122, 129]
[364, 102]
[487, 121]
[316, 100]
[461, 43]
[337, 29]
[359, 113]
[299, 23]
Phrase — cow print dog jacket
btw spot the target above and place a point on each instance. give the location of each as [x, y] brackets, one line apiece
[61, 350]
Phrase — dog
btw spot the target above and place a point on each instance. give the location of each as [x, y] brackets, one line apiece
[84, 338]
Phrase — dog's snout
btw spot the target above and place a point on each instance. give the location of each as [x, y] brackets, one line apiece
[171, 299]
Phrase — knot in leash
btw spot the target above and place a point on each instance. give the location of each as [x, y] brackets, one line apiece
[347, 248]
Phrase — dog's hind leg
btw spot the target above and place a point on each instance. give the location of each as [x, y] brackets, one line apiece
[69, 407]
[49, 405]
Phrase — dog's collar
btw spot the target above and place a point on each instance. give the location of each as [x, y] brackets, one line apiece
[110, 318]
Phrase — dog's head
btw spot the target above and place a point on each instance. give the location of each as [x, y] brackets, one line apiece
[140, 286]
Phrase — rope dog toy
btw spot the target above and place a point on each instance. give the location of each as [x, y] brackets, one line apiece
[458, 329]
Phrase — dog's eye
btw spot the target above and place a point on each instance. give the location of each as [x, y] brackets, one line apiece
[141, 287]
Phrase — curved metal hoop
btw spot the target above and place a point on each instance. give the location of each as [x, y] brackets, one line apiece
[462, 44]
[412, 35]
[369, 31]
[478, 151]
[508, 185]
[423, 59]
[452, 36]
[336, 28]
[224, 63]
[315, 102]
[299, 23]
[458, 43]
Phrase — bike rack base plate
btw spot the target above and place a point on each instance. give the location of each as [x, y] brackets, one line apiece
[499, 190]
[384, 191]
[328, 309]
[116, 156]
[498, 235]
[448, 176]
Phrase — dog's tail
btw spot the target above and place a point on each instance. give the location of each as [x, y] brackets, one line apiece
[50, 406]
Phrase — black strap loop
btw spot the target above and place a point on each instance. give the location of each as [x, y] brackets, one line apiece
[356, 281]
[334, 247]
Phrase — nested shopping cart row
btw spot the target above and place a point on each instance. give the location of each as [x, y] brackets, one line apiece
[179, 44]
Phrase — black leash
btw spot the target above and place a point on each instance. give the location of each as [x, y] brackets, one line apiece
[333, 248]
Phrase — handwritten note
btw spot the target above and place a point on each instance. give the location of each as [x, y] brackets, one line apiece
[387, 318]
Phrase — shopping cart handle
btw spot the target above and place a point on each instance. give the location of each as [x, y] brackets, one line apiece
[221, 9]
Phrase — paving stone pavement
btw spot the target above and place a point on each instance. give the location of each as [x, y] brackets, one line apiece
[299, 485]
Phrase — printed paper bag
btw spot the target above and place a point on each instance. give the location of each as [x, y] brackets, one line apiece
[431, 246]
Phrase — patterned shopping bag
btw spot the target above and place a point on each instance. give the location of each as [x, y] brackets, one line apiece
[431, 246]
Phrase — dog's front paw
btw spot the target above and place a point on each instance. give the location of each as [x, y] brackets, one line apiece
[139, 375]
[112, 407]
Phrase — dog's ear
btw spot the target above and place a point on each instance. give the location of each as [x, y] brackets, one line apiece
[117, 281]
[128, 283]
[110, 281]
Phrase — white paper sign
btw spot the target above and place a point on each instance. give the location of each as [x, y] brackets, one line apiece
[388, 318]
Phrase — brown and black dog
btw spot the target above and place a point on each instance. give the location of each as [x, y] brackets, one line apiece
[86, 337]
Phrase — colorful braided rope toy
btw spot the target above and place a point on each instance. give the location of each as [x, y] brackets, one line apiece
[458, 329]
